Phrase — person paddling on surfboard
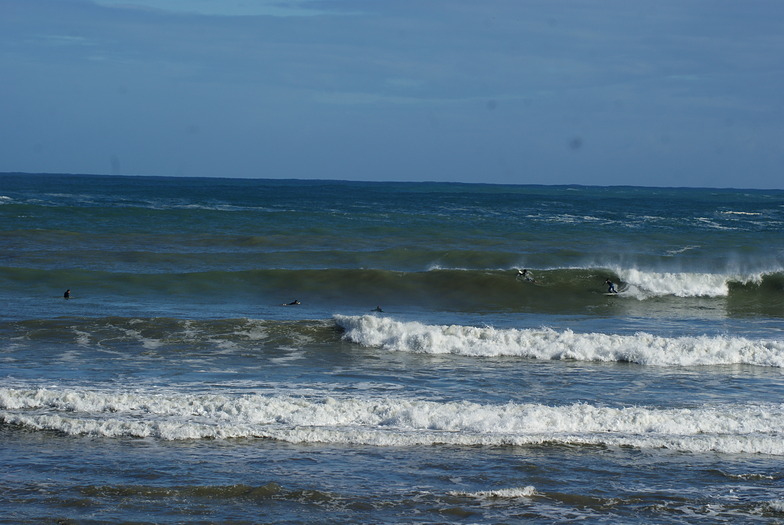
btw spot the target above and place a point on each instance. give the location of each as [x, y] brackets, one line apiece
[526, 275]
[610, 286]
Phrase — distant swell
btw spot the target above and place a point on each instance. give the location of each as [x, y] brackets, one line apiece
[640, 348]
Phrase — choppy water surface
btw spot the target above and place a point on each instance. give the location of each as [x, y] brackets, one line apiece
[175, 386]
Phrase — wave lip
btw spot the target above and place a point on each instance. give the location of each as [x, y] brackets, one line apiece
[388, 421]
[547, 344]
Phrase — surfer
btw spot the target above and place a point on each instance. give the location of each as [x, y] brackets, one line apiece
[610, 286]
[377, 309]
[67, 294]
[526, 275]
[292, 303]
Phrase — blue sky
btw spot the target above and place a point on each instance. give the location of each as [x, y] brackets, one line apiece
[665, 93]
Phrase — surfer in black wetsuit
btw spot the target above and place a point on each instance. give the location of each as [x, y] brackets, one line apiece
[67, 294]
[377, 309]
[293, 303]
[526, 275]
[610, 286]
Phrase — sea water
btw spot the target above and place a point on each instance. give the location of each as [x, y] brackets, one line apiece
[177, 384]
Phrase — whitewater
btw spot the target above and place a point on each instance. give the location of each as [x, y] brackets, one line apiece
[352, 352]
[640, 348]
[394, 422]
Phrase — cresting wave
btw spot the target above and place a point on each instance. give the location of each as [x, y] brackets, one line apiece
[644, 284]
[391, 421]
[641, 348]
[473, 289]
[389, 334]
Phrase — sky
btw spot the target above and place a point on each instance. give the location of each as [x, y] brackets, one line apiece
[604, 92]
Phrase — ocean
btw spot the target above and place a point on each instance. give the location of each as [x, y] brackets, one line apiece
[417, 378]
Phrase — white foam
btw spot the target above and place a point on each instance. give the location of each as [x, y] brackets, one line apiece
[641, 348]
[392, 421]
[255, 331]
[683, 249]
[741, 213]
[82, 337]
[146, 342]
[292, 354]
[642, 284]
[512, 493]
[707, 221]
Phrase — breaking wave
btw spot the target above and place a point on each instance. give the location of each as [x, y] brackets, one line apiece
[390, 334]
[641, 348]
[755, 429]
[554, 291]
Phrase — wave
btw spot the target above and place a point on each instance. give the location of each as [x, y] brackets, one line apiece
[754, 429]
[389, 334]
[555, 290]
[163, 332]
[548, 344]
[651, 284]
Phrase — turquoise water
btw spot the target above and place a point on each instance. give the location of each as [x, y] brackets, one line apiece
[175, 386]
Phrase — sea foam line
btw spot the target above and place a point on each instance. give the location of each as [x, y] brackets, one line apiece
[511, 493]
[548, 344]
[392, 421]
